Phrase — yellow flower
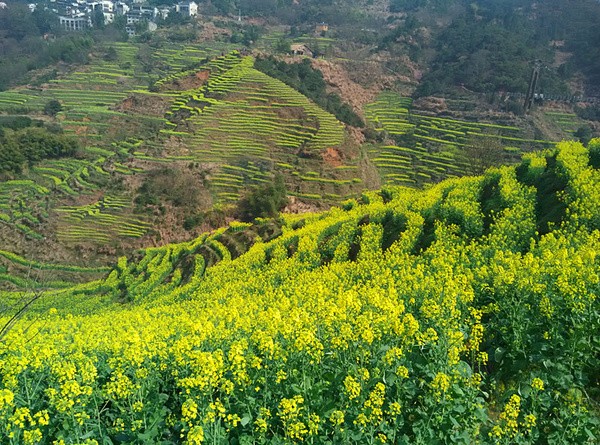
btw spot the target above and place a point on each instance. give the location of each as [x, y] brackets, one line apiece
[529, 421]
[440, 384]
[537, 384]
[336, 418]
[352, 387]
[260, 425]
[402, 371]
[281, 375]
[195, 435]
[32, 437]
[509, 416]
[313, 424]
[395, 409]
[6, 398]
[189, 410]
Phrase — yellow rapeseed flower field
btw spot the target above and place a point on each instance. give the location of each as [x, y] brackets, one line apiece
[465, 313]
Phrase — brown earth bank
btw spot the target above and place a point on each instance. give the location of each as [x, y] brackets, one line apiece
[338, 81]
[145, 104]
[187, 83]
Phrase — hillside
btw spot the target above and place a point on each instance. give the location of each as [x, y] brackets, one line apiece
[151, 166]
[166, 140]
[466, 312]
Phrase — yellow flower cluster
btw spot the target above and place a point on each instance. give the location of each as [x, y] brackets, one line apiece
[290, 413]
[352, 387]
[440, 385]
[538, 384]
[508, 417]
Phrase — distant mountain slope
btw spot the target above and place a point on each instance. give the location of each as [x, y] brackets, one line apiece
[465, 312]
[208, 138]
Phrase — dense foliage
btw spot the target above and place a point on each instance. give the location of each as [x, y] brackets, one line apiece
[464, 313]
[491, 46]
[31, 145]
[590, 113]
[309, 81]
[265, 201]
[487, 55]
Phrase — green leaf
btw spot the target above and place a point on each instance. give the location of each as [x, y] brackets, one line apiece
[453, 420]
[389, 378]
[590, 434]
[499, 354]
[148, 435]
[246, 419]
[122, 438]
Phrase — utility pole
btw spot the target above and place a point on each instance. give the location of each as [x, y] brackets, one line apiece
[535, 76]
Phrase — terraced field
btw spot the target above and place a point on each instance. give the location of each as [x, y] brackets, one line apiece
[567, 122]
[237, 124]
[22, 204]
[251, 125]
[435, 141]
[98, 222]
[20, 273]
[87, 96]
[241, 125]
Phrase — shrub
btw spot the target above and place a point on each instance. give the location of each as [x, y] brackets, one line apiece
[52, 108]
[264, 202]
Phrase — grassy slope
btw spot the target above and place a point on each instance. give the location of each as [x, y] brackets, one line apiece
[464, 312]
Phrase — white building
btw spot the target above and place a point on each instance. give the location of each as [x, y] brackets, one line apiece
[130, 29]
[164, 11]
[137, 13]
[121, 8]
[109, 17]
[75, 23]
[187, 8]
[108, 9]
[107, 6]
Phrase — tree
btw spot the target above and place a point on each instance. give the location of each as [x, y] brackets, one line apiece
[283, 46]
[52, 107]
[98, 19]
[11, 158]
[32, 144]
[584, 133]
[111, 54]
[45, 20]
[264, 202]
[480, 153]
[17, 22]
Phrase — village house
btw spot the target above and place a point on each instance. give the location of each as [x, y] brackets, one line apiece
[187, 8]
[300, 49]
[78, 22]
[138, 13]
[321, 27]
[76, 15]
